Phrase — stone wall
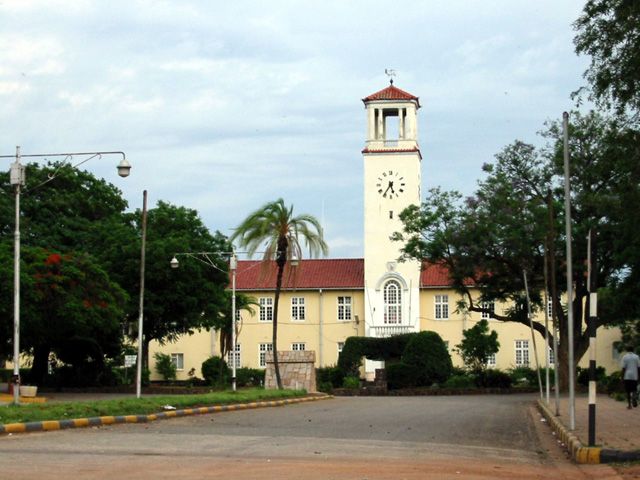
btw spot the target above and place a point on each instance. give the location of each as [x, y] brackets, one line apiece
[297, 370]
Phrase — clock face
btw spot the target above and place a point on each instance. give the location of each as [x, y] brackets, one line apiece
[390, 184]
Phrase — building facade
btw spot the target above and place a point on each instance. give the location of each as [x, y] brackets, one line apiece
[323, 302]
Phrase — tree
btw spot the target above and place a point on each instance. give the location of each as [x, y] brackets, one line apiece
[69, 307]
[176, 301]
[65, 211]
[274, 228]
[477, 345]
[513, 224]
[609, 31]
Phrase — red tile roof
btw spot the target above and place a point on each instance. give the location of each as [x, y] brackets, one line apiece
[345, 273]
[391, 93]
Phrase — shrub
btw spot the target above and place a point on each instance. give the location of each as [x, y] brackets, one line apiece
[493, 378]
[583, 375]
[325, 387]
[613, 383]
[478, 345]
[215, 371]
[428, 353]
[351, 382]
[523, 376]
[400, 375]
[390, 348]
[165, 366]
[249, 377]
[331, 375]
[459, 381]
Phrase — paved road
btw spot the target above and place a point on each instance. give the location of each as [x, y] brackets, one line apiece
[370, 437]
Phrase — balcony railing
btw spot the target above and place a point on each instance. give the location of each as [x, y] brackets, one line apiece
[389, 330]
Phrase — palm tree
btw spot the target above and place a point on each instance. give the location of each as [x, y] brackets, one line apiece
[274, 229]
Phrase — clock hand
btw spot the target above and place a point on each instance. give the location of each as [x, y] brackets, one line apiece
[391, 187]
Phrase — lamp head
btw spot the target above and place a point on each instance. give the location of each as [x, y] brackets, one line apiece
[124, 168]
[174, 263]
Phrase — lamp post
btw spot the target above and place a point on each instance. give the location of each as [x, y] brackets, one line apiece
[205, 257]
[17, 179]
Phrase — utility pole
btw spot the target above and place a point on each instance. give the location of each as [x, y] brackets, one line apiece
[591, 325]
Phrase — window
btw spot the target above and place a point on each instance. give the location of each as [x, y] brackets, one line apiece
[264, 348]
[392, 302]
[344, 308]
[491, 306]
[491, 360]
[266, 309]
[298, 347]
[178, 360]
[230, 357]
[297, 308]
[442, 307]
[550, 308]
[522, 353]
[615, 353]
[340, 347]
[551, 357]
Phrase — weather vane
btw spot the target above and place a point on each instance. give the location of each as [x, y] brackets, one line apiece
[390, 73]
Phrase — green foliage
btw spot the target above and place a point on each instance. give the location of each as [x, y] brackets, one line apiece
[400, 375]
[582, 377]
[274, 229]
[459, 381]
[165, 366]
[330, 377]
[183, 300]
[613, 383]
[523, 376]
[489, 239]
[478, 345]
[355, 348]
[608, 31]
[493, 378]
[139, 406]
[215, 371]
[351, 382]
[249, 377]
[426, 351]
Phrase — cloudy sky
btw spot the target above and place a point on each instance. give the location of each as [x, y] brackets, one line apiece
[223, 106]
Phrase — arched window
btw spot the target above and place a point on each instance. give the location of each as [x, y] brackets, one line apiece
[392, 302]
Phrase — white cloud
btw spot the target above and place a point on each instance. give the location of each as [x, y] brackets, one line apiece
[222, 106]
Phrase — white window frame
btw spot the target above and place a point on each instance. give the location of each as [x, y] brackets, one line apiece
[298, 310]
[491, 360]
[178, 361]
[230, 357]
[441, 307]
[298, 346]
[522, 358]
[550, 356]
[266, 309]
[345, 303]
[392, 298]
[263, 348]
[489, 306]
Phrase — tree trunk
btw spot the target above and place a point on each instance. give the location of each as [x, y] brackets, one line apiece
[276, 365]
[40, 366]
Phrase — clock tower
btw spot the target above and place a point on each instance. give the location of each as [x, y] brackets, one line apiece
[391, 183]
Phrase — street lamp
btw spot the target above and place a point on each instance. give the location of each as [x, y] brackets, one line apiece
[205, 258]
[17, 179]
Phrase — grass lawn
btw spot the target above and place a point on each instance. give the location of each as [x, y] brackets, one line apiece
[135, 406]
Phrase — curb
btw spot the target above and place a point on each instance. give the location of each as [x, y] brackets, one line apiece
[579, 453]
[48, 425]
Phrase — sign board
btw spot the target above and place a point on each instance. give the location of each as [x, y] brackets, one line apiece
[130, 360]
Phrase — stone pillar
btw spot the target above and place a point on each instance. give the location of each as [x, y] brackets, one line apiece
[297, 370]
